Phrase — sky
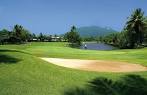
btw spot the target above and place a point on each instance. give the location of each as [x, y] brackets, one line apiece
[57, 16]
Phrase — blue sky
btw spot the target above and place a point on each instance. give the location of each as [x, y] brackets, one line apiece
[57, 16]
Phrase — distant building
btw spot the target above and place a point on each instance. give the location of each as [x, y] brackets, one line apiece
[34, 39]
[56, 39]
[48, 39]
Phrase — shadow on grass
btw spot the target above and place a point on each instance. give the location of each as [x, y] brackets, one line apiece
[8, 59]
[128, 85]
[8, 50]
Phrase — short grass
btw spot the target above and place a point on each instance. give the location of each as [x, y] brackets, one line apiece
[22, 72]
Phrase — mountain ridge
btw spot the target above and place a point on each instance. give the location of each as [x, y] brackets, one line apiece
[94, 31]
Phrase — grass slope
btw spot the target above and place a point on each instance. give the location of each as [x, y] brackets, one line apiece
[22, 72]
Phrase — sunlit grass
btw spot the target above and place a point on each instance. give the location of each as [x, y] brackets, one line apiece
[29, 75]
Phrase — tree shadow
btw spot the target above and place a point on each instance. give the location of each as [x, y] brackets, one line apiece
[127, 85]
[5, 59]
[9, 50]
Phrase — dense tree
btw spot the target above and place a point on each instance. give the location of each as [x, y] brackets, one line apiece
[25, 35]
[19, 34]
[145, 33]
[4, 36]
[34, 35]
[135, 27]
[17, 31]
[41, 37]
[123, 39]
[111, 39]
[73, 37]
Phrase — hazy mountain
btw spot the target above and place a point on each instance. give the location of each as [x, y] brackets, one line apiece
[94, 31]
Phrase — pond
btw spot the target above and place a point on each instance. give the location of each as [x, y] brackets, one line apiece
[97, 46]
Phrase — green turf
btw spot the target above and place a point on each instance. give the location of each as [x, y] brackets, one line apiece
[22, 72]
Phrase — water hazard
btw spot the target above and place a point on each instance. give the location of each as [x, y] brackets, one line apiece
[96, 46]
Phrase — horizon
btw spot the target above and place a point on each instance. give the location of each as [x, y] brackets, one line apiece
[57, 17]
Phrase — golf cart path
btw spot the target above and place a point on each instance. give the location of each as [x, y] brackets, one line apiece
[97, 65]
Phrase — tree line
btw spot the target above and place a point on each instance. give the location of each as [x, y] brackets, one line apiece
[17, 35]
[133, 35]
[20, 35]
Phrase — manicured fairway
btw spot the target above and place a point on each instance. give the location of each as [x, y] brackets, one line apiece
[22, 72]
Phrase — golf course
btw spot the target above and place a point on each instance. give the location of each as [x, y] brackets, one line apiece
[73, 47]
[23, 72]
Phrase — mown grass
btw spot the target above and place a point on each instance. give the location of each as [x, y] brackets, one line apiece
[22, 72]
[62, 50]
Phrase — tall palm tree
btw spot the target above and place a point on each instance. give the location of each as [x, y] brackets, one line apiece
[136, 26]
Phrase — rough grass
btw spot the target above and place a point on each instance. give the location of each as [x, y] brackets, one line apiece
[23, 73]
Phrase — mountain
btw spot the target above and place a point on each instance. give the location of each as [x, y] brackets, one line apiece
[94, 31]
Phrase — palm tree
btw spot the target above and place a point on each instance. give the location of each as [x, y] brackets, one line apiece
[135, 27]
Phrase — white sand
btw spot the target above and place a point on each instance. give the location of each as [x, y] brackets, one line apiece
[97, 65]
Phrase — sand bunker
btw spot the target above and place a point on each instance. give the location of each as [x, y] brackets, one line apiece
[97, 65]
